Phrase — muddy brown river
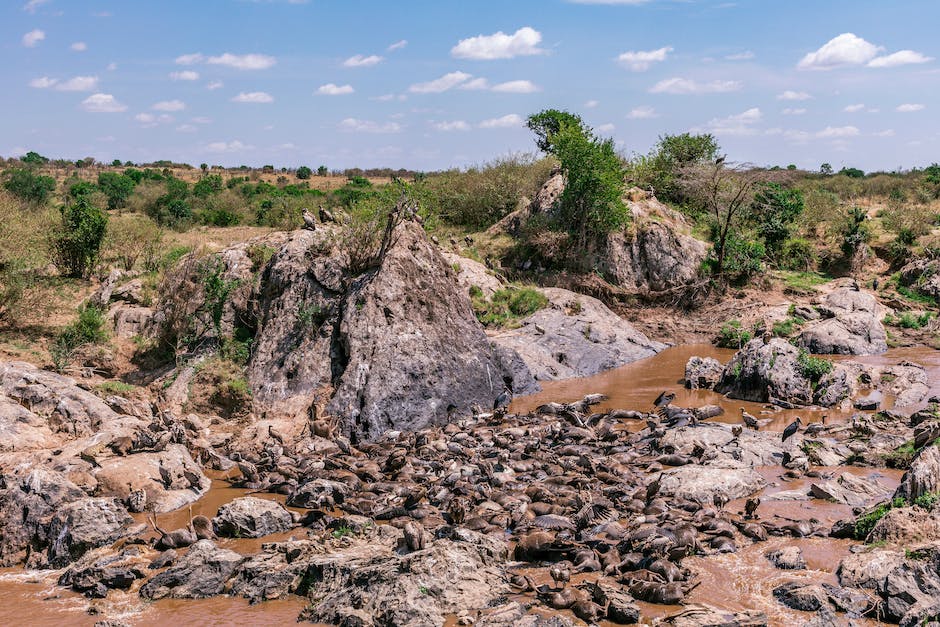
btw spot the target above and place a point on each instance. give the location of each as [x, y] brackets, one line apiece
[733, 581]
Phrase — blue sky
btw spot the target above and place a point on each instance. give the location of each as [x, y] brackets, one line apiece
[432, 84]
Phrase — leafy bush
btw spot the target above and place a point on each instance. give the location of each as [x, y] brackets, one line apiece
[208, 185]
[927, 501]
[78, 240]
[303, 172]
[867, 521]
[663, 167]
[813, 368]
[855, 231]
[24, 252]
[135, 238]
[902, 456]
[733, 335]
[773, 211]
[29, 186]
[797, 254]
[786, 327]
[117, 187]
[89, 328]
[742, 257]
[506, 306]
[909, 319]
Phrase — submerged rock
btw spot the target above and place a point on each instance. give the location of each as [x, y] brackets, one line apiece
[83, 525]
[761, 371]
[702, 373]
[251, 517]
[203, 572]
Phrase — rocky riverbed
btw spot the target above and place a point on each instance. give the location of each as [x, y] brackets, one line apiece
[588, 509]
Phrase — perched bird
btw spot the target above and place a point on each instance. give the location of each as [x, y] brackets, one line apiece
[736, 430]
[750, 506]
[277, 437]
[720, 499]
[326, 215]
[503, 399]
[720, 160]
[749, 420]
[664, 399]
[792, 428]
[310, 221]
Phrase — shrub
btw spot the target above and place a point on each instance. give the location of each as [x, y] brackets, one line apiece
[909, 319]
[813, 368]
[24, 252]
[89, 328]
[785, 328]
[135, 238]
[78, 241]
[742, 257]
[663, 167]
[902, 456]
[733, 335]
[303, 172]
[773, 211]
[117, 187]
[29, 186]
[867, 521]
[797, 254]
[506, 306]
[927, 501]
[208, 185]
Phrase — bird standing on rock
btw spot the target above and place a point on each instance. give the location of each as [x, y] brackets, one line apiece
[749, 420]
[310, 221]
[503, 400]
[326, 215]
[792, 428]
[664, 399]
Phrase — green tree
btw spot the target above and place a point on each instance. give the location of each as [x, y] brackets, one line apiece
[322, 171]
[303, 172]
[78, 240]
[116, 163]
[674, 154]
[773, 211]
[117, 187]
[209, 185]
[34, 158]
[825, 169]
[852, 173]
[549, 123]
[592, 200]
[28, 185]
[204, 167]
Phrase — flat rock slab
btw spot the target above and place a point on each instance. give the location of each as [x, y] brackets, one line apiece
[702, 483]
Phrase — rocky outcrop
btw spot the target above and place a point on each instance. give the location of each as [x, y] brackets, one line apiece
[907, 583]
[83, 525]
[251, 517]
[906, 526]
[473, 275]
[169, 478]
[702, 373]
[787, 558]
[923, 476]
[763, 371]
[852, 325]
[575, 336]
[850, 490]
[922, 275]
[203, 572]
[702, 483]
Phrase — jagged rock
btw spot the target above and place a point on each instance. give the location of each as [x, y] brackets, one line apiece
[251, 517]
[906, 526]
[923, 476]
[201, 573]
[702, 483]
[787, 558]
[853, 325]
[762, 370]
[825, 453]
[130, 320]
[472, 274]
[700, 615]
[722, 449]
[923, 275]
[903, 584]
[702, 373]
[575, 336]
[513, 614]
[849, 489]
[120, 476]
[907, 382]
[815, 597]
[83, 525]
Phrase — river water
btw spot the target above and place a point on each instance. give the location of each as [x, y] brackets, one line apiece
[734, 582]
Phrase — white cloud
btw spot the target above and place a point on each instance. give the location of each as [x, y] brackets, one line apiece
[43, 82]
[910, 108]
[524, 42]
[793, 95]
[185, 75]
[367, 126]
[590, 104]
[33, 37]
[202, 120]
[845, 49]
[739, 124]
[442, 84]
[32, 5]
[112, 66]
[685, 86]
[169, 105]
[747, 55]
[102, 103]
[456, 125]
[149, 120]
[516, 87]
[215, 85]
[390, 97]
[227, 147]
[243, 61]
[254, 97]
[853, 108]
[79, 46]
[331, 89]
[476, 84]
[642, 112]
[901, 57]
[799, 111]
[363, 61]
[145, 118]
[507, 121]
[606, 128]
[186, 128]
[885, 133]
[398, 45]
[79, 83]
[838, 132]
[189, 59]
[641, 60]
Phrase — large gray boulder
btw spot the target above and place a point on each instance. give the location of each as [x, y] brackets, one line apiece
[702, 373]
[83, 525]
[203, 572]
[923, 275]
[761, 371]
[575, 336]
[702, 483]
[906, 581]
[251, 517]
[852, 325]
[923, 476]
